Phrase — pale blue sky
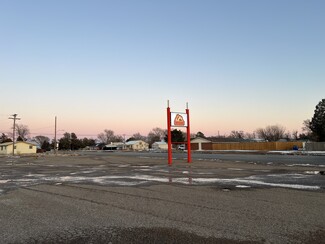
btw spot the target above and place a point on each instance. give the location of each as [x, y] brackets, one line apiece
[101, 65]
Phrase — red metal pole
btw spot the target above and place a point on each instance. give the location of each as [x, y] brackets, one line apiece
[189, 157]
[169, 136]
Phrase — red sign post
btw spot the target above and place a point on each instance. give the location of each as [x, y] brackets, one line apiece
[178, 120]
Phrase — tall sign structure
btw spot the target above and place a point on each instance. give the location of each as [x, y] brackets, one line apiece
[178, 120]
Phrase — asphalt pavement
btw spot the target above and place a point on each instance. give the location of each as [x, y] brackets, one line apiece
[135, 198]
[299, 159]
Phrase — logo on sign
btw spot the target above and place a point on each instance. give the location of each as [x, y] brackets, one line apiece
[179, 120]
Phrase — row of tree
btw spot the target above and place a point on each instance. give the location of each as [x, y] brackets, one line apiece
[313, 129]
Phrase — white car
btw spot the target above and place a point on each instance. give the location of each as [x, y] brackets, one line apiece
[181, 147]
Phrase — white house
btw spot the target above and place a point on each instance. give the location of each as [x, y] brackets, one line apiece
[114, 146]
[21, 147]
[137, 145]
[162, 145]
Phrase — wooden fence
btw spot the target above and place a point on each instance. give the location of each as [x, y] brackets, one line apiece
[263, 146]
[315, 146]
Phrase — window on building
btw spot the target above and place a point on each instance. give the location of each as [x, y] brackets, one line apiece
[30, 147]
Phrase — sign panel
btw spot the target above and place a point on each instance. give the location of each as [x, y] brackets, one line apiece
[178, 119]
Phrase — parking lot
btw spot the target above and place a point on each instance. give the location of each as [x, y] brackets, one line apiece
[97, 198]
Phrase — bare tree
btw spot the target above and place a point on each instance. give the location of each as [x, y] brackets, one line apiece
[295, 135]
[250, 136]
[22, 131]
[156, 134]
[237, 134]
[138, 136]
[41, 139]
[271, 132]
[106, 137]
[118, 138]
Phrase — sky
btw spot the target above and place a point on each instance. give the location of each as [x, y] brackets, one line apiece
[102, 64]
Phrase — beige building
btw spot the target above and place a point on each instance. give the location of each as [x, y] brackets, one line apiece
[21, 147]
[198, 143]
[138, 145]
[162, 145]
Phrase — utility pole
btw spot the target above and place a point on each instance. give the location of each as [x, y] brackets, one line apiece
[14, 118]
[124, 141]
[55, 136]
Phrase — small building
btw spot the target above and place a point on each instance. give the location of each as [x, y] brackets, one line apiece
[110, 147]
[137, 145]
[160, 145]
[199, 143]
[21, 147]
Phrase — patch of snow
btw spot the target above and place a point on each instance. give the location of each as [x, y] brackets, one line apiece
[254, 182]
[283, 152]
[24, 180]
[143, 169]
[236, 150]
[34, 175]
[314, 152]
[149, 178]
[305, 165]
[243, 186]
[312, 172]
[87, 171]
[298, 152]
[123, 165]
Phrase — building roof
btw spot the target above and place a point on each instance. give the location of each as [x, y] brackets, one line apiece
[200, 139]
[134, 142]
[160, 143]
[9, 143]
[5, 144]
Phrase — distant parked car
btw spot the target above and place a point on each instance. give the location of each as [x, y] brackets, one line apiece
[181, 147]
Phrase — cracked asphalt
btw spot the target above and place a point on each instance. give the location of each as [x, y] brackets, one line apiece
[128, 199]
